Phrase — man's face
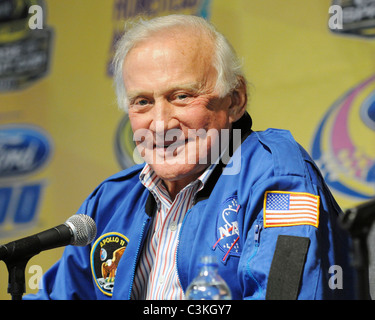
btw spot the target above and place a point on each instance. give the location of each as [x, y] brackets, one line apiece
[170, 83]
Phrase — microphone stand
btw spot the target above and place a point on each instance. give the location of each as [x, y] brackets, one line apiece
[16, 264]
[358, 222]
[16, 278]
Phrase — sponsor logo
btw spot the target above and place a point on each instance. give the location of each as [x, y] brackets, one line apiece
[353, 17]
[345, 156]
[24, 150]
[25, 43]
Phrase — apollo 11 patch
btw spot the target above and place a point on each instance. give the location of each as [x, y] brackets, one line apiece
[105, 256]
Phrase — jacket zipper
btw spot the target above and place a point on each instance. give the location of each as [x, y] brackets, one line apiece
[178, 245]
[136, 257]
[257, 235]
[257, 229]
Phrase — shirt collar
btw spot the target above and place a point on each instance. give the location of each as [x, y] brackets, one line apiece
[154, 183]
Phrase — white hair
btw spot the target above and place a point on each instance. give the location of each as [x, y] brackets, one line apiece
[225, 60]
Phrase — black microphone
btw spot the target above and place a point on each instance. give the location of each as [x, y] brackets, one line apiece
[78, 230]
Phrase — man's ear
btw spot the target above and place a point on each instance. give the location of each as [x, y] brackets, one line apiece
[239, 101]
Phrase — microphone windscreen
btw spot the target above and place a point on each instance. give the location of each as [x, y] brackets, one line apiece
[83, 228]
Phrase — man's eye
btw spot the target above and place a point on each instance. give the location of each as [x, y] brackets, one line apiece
[142, 102]
[182, 96]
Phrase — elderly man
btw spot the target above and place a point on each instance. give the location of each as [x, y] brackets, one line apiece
[210, 186]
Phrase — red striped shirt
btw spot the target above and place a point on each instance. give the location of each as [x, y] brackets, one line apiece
[156, 275]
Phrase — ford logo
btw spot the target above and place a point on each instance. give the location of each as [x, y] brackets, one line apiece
[23, 150]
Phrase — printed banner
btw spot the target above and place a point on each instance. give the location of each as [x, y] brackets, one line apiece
[310, 66]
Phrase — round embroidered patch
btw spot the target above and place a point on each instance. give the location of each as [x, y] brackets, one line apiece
[227, 233]
[105, 256]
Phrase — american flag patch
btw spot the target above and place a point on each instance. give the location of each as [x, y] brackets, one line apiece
[290, 209]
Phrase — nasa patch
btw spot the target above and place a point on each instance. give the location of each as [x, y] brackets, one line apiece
[104, 258]
[227, 233]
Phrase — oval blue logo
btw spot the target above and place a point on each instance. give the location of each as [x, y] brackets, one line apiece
[23, 150]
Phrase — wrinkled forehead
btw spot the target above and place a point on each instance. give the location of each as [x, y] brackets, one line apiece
[169, 59]
[191, 42]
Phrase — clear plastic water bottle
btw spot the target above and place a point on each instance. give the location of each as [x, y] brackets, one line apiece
[208, 285]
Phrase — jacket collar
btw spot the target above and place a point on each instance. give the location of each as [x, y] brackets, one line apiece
[244, 124]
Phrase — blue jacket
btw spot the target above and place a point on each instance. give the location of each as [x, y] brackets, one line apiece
[227, 221]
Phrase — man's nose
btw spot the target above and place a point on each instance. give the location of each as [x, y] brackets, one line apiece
[163, 117]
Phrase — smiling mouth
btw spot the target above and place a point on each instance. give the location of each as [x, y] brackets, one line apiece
[174, 144]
